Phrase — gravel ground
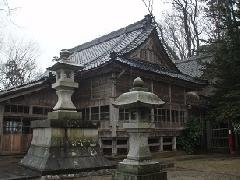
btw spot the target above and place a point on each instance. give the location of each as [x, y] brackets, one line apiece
[206, 168]
[201, 167]
[185, 174]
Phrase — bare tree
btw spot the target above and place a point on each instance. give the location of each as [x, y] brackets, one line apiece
[18, 64]
[185, 28]
[6, 11]
[149, 5]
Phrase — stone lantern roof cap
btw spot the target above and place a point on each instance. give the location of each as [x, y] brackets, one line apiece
[138, 96]
[65, 64]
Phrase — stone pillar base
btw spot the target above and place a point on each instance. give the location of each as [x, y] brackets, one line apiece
[50, 161]
[130, 170]
[62, 146]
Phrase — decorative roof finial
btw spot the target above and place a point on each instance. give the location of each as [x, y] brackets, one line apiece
[64, 54]
[138, 82]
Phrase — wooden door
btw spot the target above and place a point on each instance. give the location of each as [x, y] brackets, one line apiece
[15, 143]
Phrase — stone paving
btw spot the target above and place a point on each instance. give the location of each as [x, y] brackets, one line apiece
[9, 169]
[200, 167]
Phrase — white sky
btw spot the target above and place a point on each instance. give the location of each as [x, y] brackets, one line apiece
[60, 24]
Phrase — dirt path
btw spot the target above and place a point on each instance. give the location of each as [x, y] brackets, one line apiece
[185, 174]
[207, 168]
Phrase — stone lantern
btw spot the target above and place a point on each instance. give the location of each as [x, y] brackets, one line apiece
[62, 144]
[64, 85]
[138, 164]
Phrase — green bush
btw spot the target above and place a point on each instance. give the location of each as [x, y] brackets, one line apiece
[189, 140]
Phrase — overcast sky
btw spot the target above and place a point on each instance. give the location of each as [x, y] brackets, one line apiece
[60, 24]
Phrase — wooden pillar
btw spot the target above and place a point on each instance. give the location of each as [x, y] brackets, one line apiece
[90, 114]
[113, 118]
[99, 112]
[114, 113]
[185, 103]
[209, 135]
[114, 146]
[174, 143]
[152, 86]
[170, 103]
[185, 96]
[100, 143]
[152, 110]
[161, 144]
[30, 110]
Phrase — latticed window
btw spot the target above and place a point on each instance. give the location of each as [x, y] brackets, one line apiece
[104, 113]
[123, 114]
[85, 114]
[17, 109]
[95, 113]
[175, 116]
[40, 110]
[182, 117]
[12, 126]
[161, 115]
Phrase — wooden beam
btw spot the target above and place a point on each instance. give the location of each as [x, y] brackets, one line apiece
[170, 103]
[114, 112]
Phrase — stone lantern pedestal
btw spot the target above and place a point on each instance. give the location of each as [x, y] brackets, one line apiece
[63, 143]
[139, 164]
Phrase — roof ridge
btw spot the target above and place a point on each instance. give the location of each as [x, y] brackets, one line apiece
[114, 34]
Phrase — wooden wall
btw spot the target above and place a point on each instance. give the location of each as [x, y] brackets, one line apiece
[15, 143]
[124, 83]
[45, 97]
[152, 51]
[162, 90]
[15, 117]
[94, 91]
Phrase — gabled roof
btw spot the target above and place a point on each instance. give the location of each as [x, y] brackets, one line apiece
[115, 45]
[97, 52]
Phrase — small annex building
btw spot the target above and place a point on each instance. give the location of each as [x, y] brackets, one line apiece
[111, 63]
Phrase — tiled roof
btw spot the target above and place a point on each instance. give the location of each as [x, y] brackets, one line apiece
[195, 65]
[191, 68]
[159, 70]
[29, 85]
[97, 52]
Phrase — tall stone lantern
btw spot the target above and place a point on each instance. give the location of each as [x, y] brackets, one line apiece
[64, 84]
[63, 143]
[138, 164]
